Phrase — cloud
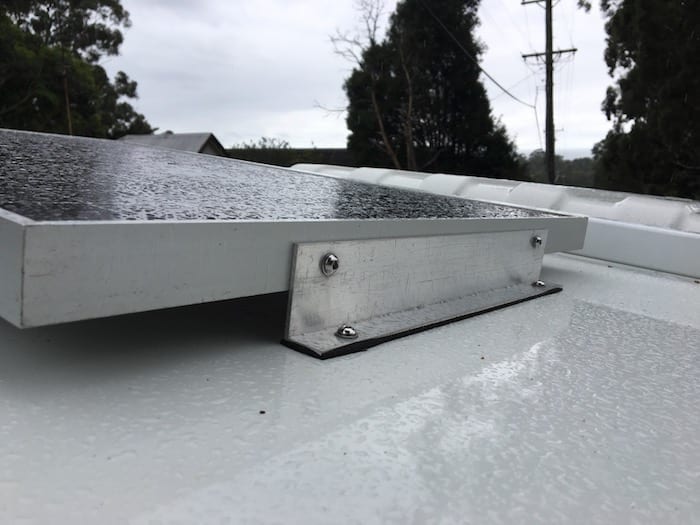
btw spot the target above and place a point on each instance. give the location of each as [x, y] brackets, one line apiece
[246, 68]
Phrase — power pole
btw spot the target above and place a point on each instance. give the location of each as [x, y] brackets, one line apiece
[549, 69]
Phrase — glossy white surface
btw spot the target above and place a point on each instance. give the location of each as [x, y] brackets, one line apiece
[643, 230]
[11, 251]
[659, 212]
[653, 248]
[584, 409]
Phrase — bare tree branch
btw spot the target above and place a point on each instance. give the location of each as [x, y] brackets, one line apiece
[352, 47]
[382, 131]
[408, 117]
[432, 160]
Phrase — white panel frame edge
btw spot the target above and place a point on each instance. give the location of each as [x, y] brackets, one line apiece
[648, 247]
[12, 231]
[75, 270]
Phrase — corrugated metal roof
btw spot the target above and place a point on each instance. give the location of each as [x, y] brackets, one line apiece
[649, 210]
[643, 230]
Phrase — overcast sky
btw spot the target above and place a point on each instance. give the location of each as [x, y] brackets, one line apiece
[244, 69]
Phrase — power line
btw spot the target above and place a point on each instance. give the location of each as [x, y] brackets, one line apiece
[504, 9]
[537, 118]
[532, 74]
[527, 29]
[469, 55]
[509, 34]
[568, 98]
[569, 21]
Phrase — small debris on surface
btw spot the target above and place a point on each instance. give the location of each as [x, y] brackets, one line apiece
[696, 281]
[482, 357]
[610, 266]
[262, 412]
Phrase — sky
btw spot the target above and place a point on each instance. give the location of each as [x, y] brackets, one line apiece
[244, 69]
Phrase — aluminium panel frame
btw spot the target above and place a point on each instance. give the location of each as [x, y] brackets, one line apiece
[381, 289]
[62, 271]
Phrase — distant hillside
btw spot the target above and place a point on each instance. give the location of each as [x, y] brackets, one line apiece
[568, 154]
[570, 172]
[574, 172]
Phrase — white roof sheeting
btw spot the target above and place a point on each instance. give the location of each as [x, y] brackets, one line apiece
[660, 212]
[579, 407]
[642, 230]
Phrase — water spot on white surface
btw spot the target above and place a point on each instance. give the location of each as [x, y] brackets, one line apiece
[579, 410]
[604, 432]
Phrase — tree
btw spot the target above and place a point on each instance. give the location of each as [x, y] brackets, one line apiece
[49, 76]
[86, 28]
[652, 52]
[364, 52]
[263, 143]
[415, 98]
[576, 172]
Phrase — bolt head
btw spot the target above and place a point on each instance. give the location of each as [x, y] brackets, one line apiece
[346, 332]
[536, 241]
[329, 264]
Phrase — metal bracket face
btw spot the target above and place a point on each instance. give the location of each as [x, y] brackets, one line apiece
[382, 289]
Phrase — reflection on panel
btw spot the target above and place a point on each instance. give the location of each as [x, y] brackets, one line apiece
[52, 177]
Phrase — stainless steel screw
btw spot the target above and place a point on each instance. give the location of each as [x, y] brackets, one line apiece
[329, 264]
[539, 284]
[346, 332]
[536, 241]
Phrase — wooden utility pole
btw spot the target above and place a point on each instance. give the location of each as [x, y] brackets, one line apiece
[549, 69]
[549, 119]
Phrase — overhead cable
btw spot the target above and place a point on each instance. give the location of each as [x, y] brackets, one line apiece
[469, 55]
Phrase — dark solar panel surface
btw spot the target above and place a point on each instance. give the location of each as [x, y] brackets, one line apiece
[59, 178]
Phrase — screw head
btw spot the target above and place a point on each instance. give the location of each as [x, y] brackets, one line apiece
[329, 264]
[346, 332]
[539, 284]
[536, 241]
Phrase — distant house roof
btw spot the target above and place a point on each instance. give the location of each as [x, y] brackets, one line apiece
[195, 142]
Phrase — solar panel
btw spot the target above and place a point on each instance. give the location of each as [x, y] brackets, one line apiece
[58, 178]
[93, 228]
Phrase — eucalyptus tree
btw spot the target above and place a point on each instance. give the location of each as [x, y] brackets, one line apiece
[50, 77]
[416, 100]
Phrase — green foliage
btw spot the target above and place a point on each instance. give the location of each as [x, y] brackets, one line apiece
[263, 143]
[652, 51]
[87, 28]
[415, 99]
[42, 74]
[576, 172]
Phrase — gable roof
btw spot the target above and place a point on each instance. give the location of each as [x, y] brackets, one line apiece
[195, 142]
